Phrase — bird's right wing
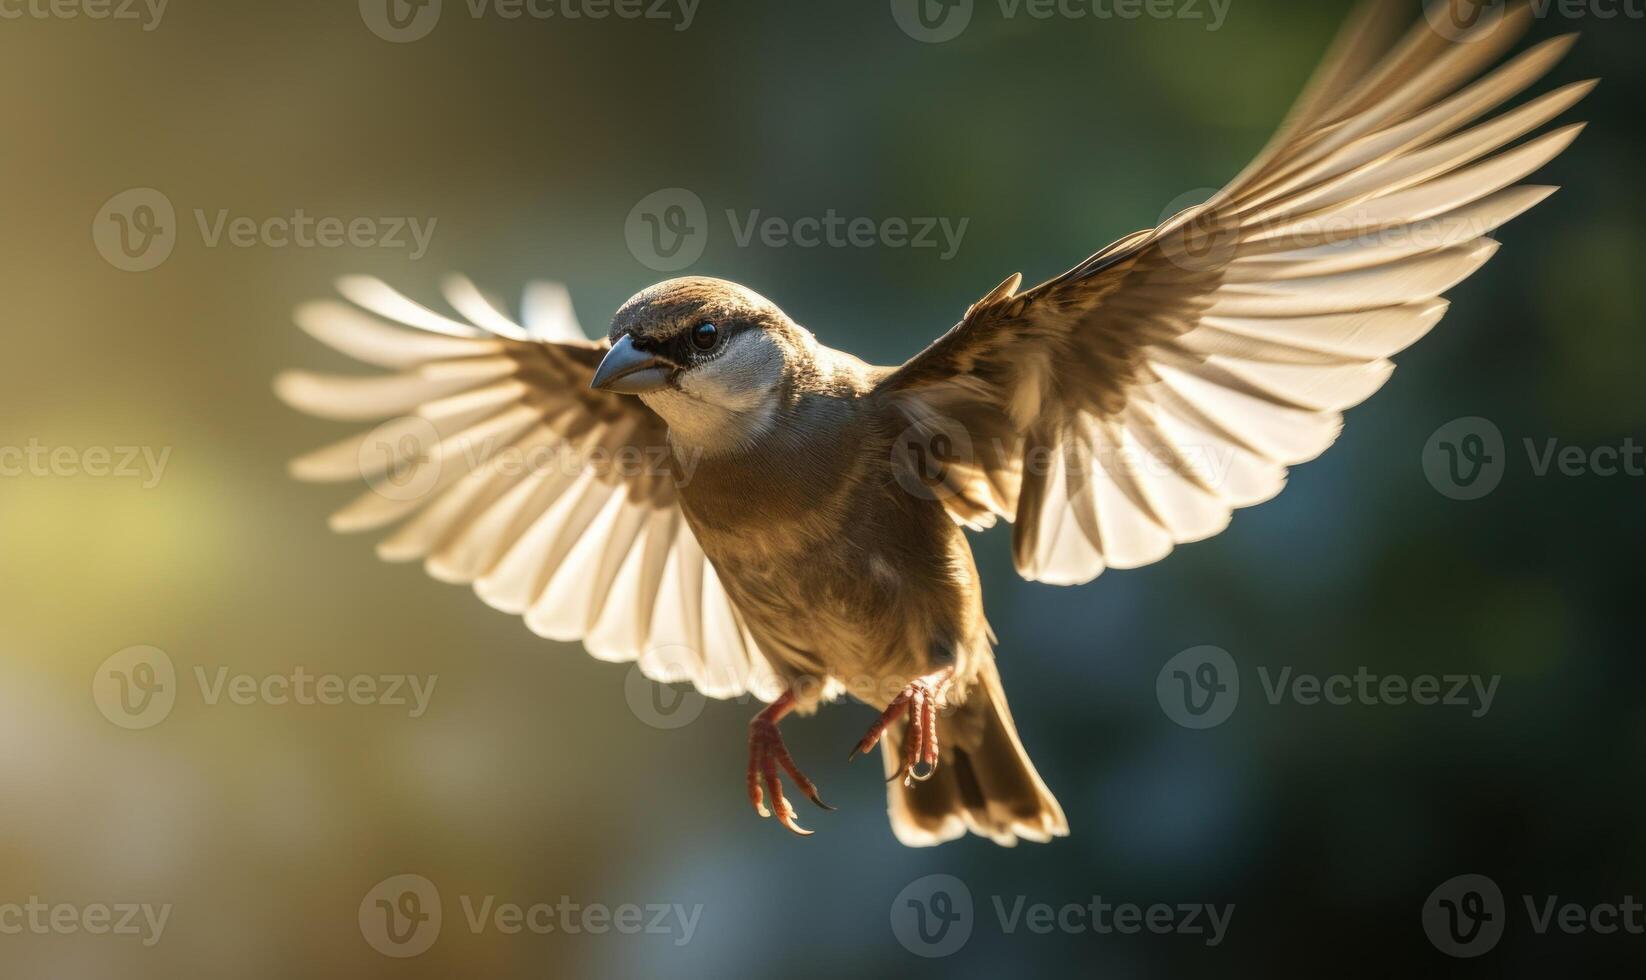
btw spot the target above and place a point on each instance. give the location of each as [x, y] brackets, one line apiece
[504, 470]
[1130, 404]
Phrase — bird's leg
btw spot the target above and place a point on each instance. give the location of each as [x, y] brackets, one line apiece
[919, 701]
[766, 753]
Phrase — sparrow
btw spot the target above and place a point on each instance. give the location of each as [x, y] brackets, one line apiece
[713, 493]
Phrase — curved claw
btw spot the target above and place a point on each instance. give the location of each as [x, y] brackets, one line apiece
[928, 737]
[766, 753]
[914, 740]
[918, 703]
[785, 816]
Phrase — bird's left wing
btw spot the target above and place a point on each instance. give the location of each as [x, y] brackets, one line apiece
[1131, 403]
[504, 470]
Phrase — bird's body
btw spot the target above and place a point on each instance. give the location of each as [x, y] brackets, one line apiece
[847, 582]
[804, 534]
[841, 574]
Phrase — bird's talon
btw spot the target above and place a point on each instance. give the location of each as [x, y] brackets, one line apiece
[918, 703]
[766, 754]
[787, 819]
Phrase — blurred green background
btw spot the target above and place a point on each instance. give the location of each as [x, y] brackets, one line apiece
[530, 777]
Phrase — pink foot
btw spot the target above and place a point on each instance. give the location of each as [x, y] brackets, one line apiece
[919, 702]
[766, 753]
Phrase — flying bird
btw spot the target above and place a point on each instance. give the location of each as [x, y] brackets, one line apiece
[714, 493]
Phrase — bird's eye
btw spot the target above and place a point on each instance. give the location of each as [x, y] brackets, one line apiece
[705, 336]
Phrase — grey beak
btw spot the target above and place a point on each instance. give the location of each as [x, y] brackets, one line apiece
[629, 370]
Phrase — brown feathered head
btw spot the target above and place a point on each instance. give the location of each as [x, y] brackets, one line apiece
[704, 353]
[675, 308]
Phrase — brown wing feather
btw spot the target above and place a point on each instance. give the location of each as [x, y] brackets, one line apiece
[1131, 403]
[502, 469]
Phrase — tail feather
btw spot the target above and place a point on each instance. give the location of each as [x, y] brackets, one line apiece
[984, 781]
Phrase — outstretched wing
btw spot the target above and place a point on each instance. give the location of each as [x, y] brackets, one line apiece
[1133, 402]
[503, 469]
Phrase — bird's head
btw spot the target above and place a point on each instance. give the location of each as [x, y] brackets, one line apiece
[700, 350]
